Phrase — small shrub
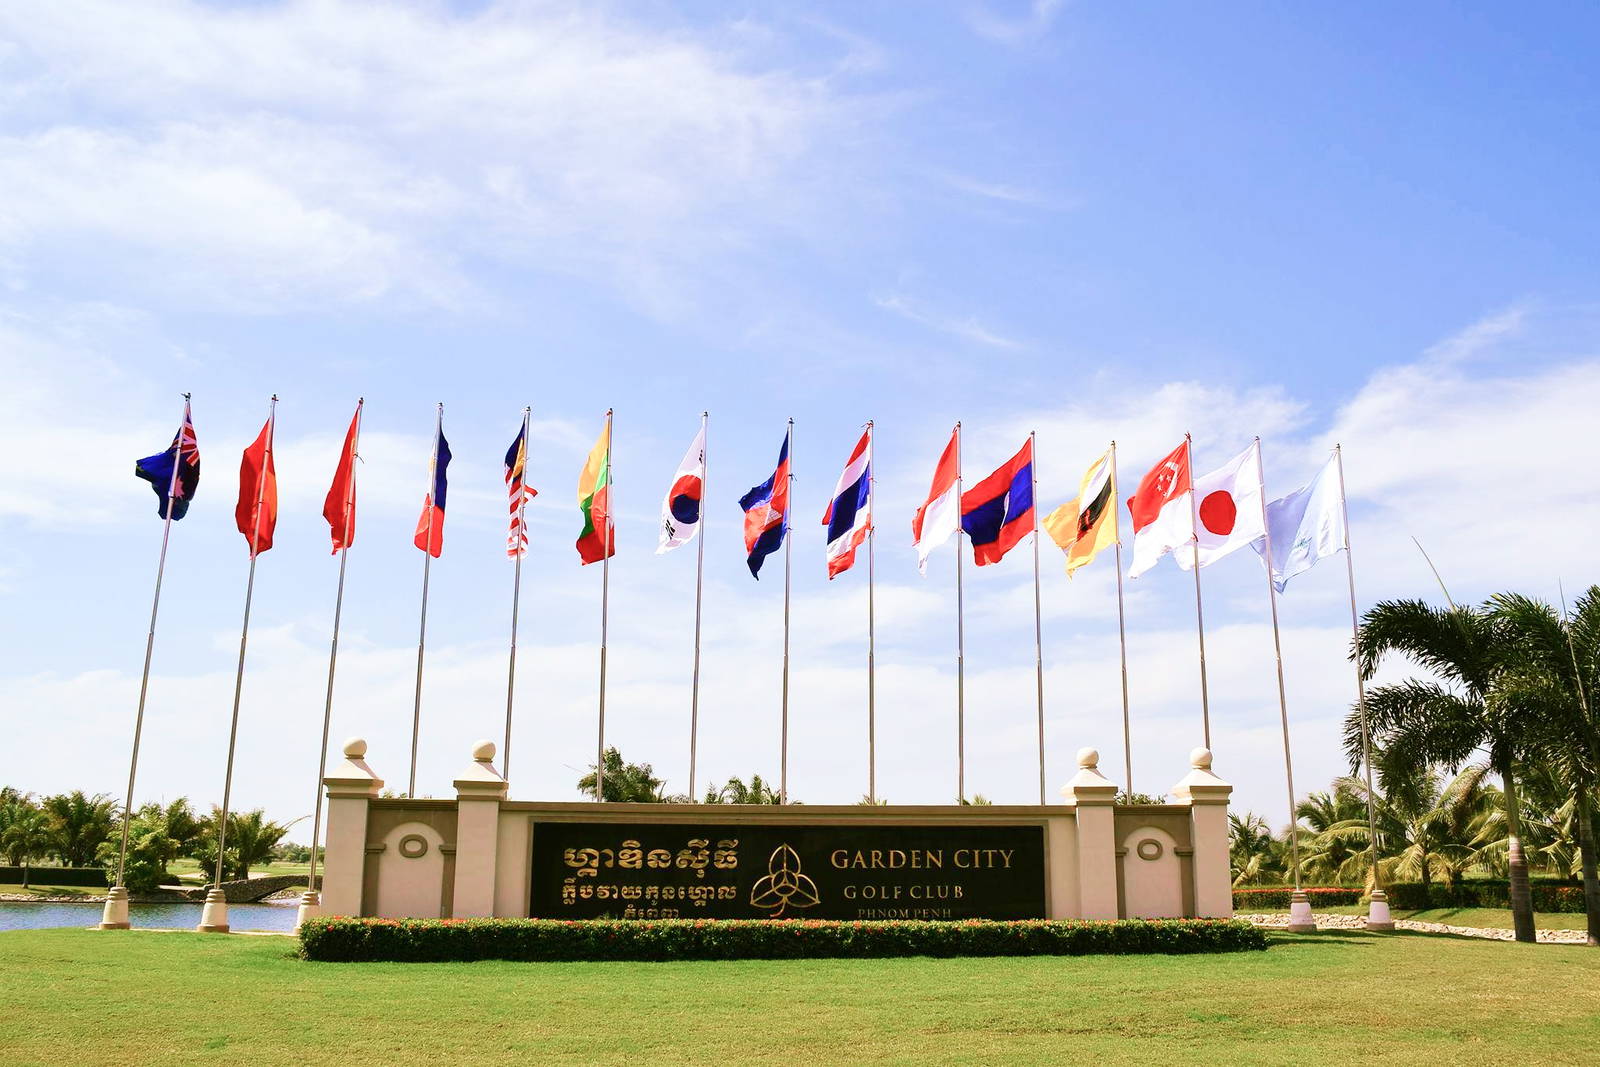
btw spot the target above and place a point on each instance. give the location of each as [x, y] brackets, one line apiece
[1278, 896]
[441, 940]
[1482, 893]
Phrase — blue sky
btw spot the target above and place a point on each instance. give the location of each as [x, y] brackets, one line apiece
[1366, 224]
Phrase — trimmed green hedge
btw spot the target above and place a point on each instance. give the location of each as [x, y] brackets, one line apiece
[1277, 896]
[1482, 894]
[443, 940]
[90, 876]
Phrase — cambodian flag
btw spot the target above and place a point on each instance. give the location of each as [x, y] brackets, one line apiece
[849, 515]
[766, 512]
[430, 524]
[997, 513]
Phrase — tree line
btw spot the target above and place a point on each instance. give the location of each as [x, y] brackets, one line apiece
[79, 830]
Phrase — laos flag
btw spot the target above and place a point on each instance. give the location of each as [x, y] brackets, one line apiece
[766, 512]
[997, 513]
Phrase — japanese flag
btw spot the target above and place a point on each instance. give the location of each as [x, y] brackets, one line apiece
[1227, 509]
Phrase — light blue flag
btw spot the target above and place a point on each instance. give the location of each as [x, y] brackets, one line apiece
[1306, 525]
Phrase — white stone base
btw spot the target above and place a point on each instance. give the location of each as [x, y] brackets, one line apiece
[214, 916]
[310, 908]
[115, 915]
[1301, 920]
[1378, 918]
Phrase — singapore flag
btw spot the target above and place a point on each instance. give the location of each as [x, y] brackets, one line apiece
[1228, 509]
[1163, 516]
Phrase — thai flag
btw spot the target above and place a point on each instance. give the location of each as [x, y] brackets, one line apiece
[997, 513]
[849, 514]
[766, 513]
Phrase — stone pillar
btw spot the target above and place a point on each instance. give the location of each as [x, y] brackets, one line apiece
[351, 786]
[1093, 795]
[1207, 797]
[479, 791]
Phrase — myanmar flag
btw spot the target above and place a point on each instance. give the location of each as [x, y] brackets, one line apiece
[598, 540]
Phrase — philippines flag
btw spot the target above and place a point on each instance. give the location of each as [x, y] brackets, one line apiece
[430, 524]
[997, 513]
[936, 519]
[766, 513]
[175, 473]
[849, 514]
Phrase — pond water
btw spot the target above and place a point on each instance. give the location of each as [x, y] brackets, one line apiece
[29, 916]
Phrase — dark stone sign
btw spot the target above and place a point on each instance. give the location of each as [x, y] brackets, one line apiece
[694, 870]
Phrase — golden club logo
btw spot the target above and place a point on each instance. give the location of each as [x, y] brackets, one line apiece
[784, 885]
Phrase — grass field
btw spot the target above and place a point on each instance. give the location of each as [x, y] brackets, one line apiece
[36, 889]
[1494, 918]
[187, 870]
[164, 998]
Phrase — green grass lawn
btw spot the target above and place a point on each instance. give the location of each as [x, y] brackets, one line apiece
[38, 889]
[1494, 918]
[163, 998]
[187, 870]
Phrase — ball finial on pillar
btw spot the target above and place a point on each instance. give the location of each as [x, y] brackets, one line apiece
[483, 751]
[355, 748]
[1089, 758]
[1200, 759]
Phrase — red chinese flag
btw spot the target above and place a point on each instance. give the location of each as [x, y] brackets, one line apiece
[340, 506]
[257, 513]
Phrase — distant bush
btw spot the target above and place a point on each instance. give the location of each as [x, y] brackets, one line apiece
[89, 876]
[1277, 896]
[441, 940]
[1482, 893]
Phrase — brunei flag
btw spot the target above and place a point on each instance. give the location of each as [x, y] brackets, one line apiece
[1083, 526]
[598, 539]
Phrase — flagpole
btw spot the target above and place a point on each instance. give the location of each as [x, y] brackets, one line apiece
[1378, 904]
[605, 610]
[872, 668]
[788, 547]
[1122, 629]
[214, 915]
[312, 900]
[1199, 611]
[699, 588]
[1038, 630]
[516, 600]
[961, 647]
[115, 915]
[1300, 920]
[422, 628]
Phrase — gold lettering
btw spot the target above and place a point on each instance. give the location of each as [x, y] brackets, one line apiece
[935, 858]
[837, 861]
[877, 858]
[897, 858]
[1007, 853]
[960, 852]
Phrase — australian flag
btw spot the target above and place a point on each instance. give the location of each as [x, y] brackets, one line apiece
[175, 471]
[766, 513]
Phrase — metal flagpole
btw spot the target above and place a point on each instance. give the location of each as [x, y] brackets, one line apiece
[115, 917]
[422, 628]
[516, 600]
[1199, 611]
[961, 647]
[216, 904]
[1378, 907]
[1122, 629]
[605, 610]
[1038, 632]
[699, 588]
[312, 897]
[872, 669]
[788, 546]
[1299, 907]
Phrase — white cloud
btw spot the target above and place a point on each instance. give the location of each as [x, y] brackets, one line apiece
[1036, 20]
[967, 328]
[320, 152]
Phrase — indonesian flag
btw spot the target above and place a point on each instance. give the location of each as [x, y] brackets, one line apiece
[1162, 513]
[257, 512]
[1228, 506]
[937, 518]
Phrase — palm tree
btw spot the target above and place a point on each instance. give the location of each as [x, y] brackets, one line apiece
[738, 792]
[13, 806]
[1325, 851]
[1252, 851]
[79, 824]
[1553, 682]
[634, 783]
[1421, 722]
[250, 841]
[27, 837]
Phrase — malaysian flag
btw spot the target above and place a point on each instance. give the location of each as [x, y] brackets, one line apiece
[175, 471]
[518, 493]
